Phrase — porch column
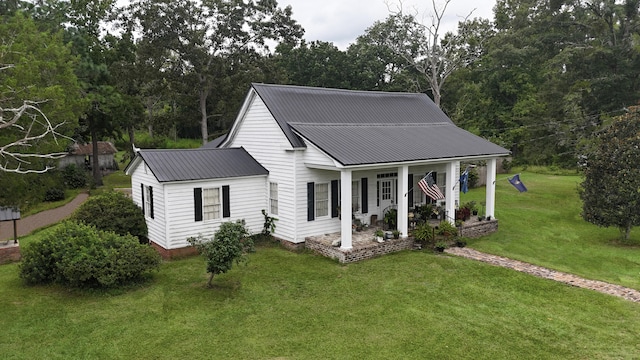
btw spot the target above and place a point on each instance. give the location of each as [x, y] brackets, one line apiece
[345, 208]
[491, 188]
[449, 193]
[403, 201]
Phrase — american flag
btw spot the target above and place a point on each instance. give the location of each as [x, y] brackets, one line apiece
[429, 187]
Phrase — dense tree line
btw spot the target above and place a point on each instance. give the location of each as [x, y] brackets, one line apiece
[540, 78]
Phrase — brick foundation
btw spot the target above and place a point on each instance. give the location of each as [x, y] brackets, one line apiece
[290, 245]
[10, 252]
[169, 254]
[366, 251]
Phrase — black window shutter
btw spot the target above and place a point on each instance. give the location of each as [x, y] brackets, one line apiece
[151, 201]
[142, 194]
[334, 199]
[197, 201]
[226, 207]
[410, 194]
[364, 187]
[311, 188]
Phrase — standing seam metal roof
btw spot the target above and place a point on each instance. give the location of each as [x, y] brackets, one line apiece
[369, 127]
[200, 164]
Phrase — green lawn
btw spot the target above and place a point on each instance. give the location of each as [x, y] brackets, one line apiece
[543, 226]
[408, 305]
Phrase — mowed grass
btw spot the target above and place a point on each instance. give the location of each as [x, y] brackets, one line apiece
[543, 226]
[408, 305]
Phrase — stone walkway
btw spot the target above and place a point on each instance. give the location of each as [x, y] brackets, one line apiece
[27, 225]
[601, 286]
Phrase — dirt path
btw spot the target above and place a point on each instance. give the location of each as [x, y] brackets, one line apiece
[28, 224]
[600, 286]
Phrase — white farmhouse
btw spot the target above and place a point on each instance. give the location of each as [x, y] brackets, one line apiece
[313, 158]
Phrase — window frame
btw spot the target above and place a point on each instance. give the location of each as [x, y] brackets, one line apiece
[317, 201]
[273, 198]
[210, 210]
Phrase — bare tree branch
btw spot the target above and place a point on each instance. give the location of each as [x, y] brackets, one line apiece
[434, 56]
[35, 126]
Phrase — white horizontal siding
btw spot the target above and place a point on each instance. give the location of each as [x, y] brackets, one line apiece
[320, 225]
[247, 197]
[156, 226]
[259, 134]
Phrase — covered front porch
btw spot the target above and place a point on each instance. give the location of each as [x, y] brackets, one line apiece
[399, 182]
[364, 244]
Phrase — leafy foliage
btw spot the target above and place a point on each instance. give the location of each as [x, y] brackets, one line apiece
[79, 255]
[113, 211]
[74, 177]
[423, 233]
[269, 226]
[54, 194]
[610, 191]
[228, 245]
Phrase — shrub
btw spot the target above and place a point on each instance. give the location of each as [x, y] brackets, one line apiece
[423, 233]
[54, 194]
[229, 244]
[79, 255]
[446, 228]
[113, 211]
[74, 177]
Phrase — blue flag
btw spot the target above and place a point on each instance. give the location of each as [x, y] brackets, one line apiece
[464, 181]
[515, 181]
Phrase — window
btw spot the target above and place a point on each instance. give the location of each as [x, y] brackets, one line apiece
[211, 203]
[355, 196]
[322, 200]
[273, 198]
[147, 200]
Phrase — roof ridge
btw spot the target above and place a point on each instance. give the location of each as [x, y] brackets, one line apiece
[316, 88]
[442, 123]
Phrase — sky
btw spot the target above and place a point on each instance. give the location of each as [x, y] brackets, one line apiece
[342, 21]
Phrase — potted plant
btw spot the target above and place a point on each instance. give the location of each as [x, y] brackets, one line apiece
[440, 246]
[446, 229]
[461, 242]
[390, 218]
[379, 235]
[396, 234]
[358, 224]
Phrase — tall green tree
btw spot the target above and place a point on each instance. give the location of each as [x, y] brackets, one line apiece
[610, 191]
[211, 40]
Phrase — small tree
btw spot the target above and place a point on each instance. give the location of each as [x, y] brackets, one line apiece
[113, 211]
[610, 191]
[230, 243]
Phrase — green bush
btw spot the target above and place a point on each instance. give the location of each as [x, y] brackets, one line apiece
[446, 228]
[113, 211]
[79, 255]
[54, 194]
[74, 177]
[423, 233]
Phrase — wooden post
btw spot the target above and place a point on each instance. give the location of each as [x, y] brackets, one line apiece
[15, 232]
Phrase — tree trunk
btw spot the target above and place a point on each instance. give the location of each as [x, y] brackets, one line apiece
[95, 160]
[203, 112]
[627, 232]
[209, 284]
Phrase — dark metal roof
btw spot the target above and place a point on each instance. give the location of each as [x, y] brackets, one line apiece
[215, 143]
[369, 127]
[199, 164]
[299, 104]
[375, 143]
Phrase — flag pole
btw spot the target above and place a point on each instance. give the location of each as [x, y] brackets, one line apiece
[407, 193]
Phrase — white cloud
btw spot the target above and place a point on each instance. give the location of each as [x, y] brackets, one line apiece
[342, 21]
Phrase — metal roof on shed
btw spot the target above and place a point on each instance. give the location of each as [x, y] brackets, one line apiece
[200, 164]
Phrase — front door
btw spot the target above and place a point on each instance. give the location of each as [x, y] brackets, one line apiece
[386, 194]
